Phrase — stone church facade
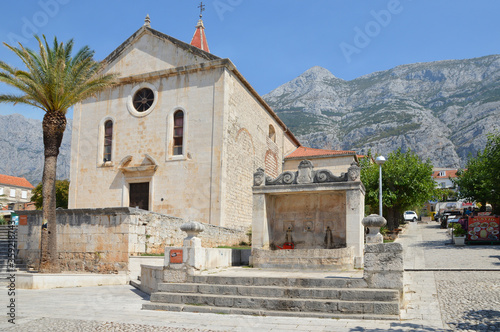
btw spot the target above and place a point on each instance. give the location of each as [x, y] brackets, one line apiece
[181, 133]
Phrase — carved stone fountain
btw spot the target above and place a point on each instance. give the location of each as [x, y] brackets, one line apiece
[308, 219]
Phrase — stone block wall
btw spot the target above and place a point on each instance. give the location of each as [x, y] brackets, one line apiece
[152, 232]
[91, 240]
[316, 259]
[101, 240]
[247, 147]
[384, 266]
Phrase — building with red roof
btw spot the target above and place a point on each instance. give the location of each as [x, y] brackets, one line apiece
[337, 161]
[211, 131]
[15, 192]
[444, 176]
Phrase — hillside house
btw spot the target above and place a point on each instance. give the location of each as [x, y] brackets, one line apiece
[15, 193]
[443, 177]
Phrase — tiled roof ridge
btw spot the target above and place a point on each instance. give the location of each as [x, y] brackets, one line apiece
[448, 173]
[303, 151]
[15, 181]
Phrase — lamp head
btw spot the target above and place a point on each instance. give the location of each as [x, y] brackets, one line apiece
[380, 160]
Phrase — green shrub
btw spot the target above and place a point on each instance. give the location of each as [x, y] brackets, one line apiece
[458, 230]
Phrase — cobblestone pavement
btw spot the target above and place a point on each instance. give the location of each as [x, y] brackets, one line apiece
[470, 301]
[69, 325]
[442, 294]
[461, 284]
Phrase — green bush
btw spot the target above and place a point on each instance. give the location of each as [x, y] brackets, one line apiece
[458, 230]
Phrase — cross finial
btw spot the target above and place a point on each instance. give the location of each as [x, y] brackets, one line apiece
[147, 21]
[202, 9]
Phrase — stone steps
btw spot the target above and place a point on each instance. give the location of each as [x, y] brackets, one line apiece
[345, 294]
[307, 297]
[257, 312]
[5, 244]
[281, 281]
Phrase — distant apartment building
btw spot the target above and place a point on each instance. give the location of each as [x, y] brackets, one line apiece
[15, 193]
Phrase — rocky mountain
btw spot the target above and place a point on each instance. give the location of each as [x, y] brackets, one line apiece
[21, 148]
[441, 110]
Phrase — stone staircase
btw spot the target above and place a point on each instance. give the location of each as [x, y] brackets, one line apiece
[4, 250]
[298, 297]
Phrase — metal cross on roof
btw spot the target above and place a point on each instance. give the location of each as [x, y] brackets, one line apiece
[202, 8]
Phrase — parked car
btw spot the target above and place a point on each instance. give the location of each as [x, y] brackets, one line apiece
[447, 216]
[410, 216]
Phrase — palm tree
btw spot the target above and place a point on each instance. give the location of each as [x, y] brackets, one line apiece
[54, 81]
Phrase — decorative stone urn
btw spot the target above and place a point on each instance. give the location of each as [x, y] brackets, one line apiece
[373, 222]
[192, 228]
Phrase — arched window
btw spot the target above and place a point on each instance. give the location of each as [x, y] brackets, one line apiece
[272, 133]
[108, 140]
[178, 132]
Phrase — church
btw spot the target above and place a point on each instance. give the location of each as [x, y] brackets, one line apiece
[181, 133]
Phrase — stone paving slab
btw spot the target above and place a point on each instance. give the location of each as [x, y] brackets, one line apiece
[435, 300]
[427, 246]
[238, 271]
[54, 309]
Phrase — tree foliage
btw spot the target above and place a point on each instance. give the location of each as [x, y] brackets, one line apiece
[480, 181]
[53, 82]
[406, 184]
[62, 190]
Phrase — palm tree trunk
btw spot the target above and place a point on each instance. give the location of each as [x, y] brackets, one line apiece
[53, 125]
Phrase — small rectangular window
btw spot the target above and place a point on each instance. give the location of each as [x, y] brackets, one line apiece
[24, 194]
[178, 132]
[13, 193]
[108, 140]
[1, 191]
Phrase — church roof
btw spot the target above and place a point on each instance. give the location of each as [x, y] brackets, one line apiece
[212, 59]
[15, 181]
[190, 48]
[199, 38]
[304, 152]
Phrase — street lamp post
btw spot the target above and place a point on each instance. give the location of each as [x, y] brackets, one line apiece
[380, 160]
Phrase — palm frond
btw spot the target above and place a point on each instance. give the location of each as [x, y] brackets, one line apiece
[54, 80]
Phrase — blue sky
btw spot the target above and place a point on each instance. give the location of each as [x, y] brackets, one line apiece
[270, 42]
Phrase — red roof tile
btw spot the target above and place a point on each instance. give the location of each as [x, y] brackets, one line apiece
[450, 173]
[361, 156]
[303, 152]
[15, 181]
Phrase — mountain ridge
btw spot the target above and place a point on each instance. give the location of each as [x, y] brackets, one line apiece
[442, 110]
[21, 143]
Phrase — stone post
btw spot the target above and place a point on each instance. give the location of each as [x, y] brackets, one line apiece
[384, 266]
[354, 230]
[260, 232]
[373, 222]
[194, 255]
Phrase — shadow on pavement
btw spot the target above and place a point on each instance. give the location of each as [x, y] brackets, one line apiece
[144, 296]
[478, 320]
[446, 244]
[400, 327]
[497, 257]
